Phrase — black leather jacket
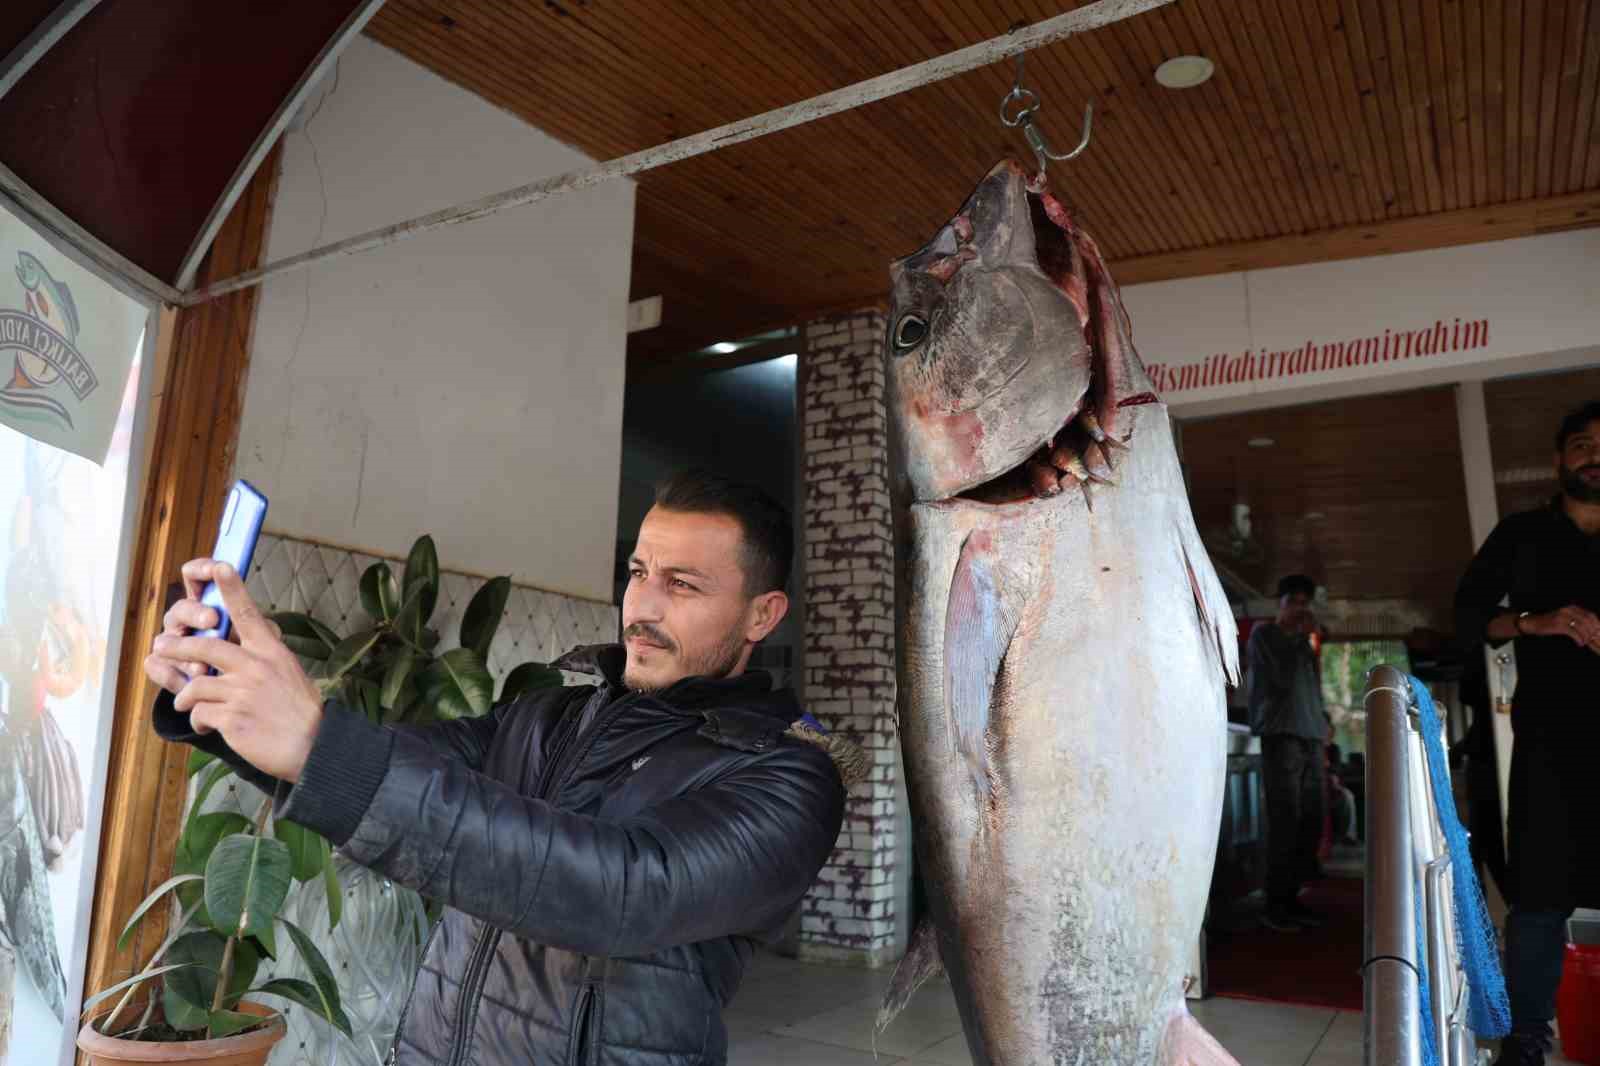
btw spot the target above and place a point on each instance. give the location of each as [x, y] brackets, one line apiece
[604, 891]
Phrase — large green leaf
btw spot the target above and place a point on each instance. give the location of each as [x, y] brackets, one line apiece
[422, 572]
[330, 885]
[189, 991]
[247, 880]
[199, 760]
[526, 678]
[150, 901]
[321, 976]
[366, 697]
[306, 636]
[395, 678]
[106, 993]
[408, 623]
[209, 782]
[305, 849]
[380, 595]
[228, 1022]
[199, 839]
[307, 995]
[458, 684]
[483, 615]
[266, 942]
[351, 651]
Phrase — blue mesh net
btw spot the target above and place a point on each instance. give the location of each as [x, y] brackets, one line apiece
[1488, 1010]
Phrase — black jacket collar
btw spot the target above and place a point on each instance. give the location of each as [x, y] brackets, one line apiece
[749, 691]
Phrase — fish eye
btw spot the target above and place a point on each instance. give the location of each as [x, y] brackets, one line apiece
[910, 331]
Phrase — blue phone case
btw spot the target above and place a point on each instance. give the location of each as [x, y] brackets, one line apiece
[242, 519]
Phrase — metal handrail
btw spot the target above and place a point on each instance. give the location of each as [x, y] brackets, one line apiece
[1407, 854]
[1391, 993]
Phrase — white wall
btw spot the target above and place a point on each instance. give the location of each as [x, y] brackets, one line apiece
[467, 383]
[1540, 297]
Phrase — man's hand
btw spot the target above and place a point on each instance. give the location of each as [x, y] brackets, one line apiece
[1578, 625]
[260, 700]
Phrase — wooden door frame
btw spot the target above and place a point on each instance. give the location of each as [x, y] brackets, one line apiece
[202, 360]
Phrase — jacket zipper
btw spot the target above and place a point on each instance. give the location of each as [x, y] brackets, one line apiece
[394, 1045]
[550, 784]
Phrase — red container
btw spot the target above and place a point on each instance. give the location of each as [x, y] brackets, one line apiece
[1578, 1004]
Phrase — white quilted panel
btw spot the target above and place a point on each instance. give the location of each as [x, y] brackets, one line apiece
[324, 582]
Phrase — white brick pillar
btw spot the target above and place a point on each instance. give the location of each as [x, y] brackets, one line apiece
[856, 911]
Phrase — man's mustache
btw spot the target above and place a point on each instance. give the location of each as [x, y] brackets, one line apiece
[646, 631]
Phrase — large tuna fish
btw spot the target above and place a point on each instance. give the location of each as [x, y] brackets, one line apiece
[1063, 647]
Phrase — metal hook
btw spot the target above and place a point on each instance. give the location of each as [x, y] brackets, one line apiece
[1030, 106]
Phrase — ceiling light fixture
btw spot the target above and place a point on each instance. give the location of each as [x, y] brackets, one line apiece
[724, 348]
[1315, 516]
[1261, 442]
[1185, 72]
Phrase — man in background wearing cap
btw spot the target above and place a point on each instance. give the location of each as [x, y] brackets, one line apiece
[1286, 712]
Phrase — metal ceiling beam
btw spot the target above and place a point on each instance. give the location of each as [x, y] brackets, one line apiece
[1059, 27]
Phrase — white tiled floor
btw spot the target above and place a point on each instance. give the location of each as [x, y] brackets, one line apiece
[797, 1014]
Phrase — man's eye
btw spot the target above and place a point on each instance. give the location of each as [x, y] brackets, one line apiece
[682, 584]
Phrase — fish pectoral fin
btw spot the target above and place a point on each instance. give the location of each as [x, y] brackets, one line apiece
[922, 961]
[1217, 628]
[979, 623]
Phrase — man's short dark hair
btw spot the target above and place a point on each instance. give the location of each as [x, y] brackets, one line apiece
[1297, 583]
[1573, 424]
[767, 528]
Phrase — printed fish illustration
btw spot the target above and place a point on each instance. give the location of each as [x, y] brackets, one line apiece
[1063, 648]
[26, 920]
[48, 300]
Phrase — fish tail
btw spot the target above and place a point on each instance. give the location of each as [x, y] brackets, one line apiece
[922, 961]
[1186, 1043]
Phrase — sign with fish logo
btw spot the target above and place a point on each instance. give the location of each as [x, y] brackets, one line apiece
[67, 340]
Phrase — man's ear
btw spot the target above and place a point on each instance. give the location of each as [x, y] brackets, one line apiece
[766, 611]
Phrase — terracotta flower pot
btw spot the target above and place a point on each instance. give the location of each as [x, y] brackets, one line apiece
[249, 1049]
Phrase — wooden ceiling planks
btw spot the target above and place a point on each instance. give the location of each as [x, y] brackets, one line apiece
[1324, 501]
[1332, 127]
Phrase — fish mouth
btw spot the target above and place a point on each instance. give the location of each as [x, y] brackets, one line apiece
[1078, 458]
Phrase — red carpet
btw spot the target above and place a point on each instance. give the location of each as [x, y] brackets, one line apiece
[1314, 967]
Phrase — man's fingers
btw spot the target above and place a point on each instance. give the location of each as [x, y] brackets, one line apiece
[203, 689]
[164, 673]
[202, 652]
[248, 621]
[197, 573]
[207, 717]
[186, 616]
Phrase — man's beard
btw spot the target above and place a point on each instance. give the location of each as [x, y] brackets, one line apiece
[718, 661]
[1574, 486]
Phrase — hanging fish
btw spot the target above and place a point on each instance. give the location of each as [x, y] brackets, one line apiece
[1063, 648]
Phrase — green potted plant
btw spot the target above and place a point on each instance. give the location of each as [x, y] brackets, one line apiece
[238, 879]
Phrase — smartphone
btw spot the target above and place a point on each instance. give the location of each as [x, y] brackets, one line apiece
[242, 518]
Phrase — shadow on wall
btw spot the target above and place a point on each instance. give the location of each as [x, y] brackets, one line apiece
[739, 423]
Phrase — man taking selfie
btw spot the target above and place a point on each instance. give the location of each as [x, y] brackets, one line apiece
[609, 855]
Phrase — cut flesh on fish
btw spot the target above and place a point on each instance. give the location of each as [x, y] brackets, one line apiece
[1063, 647]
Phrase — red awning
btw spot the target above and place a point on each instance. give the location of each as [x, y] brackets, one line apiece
[144, 120]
